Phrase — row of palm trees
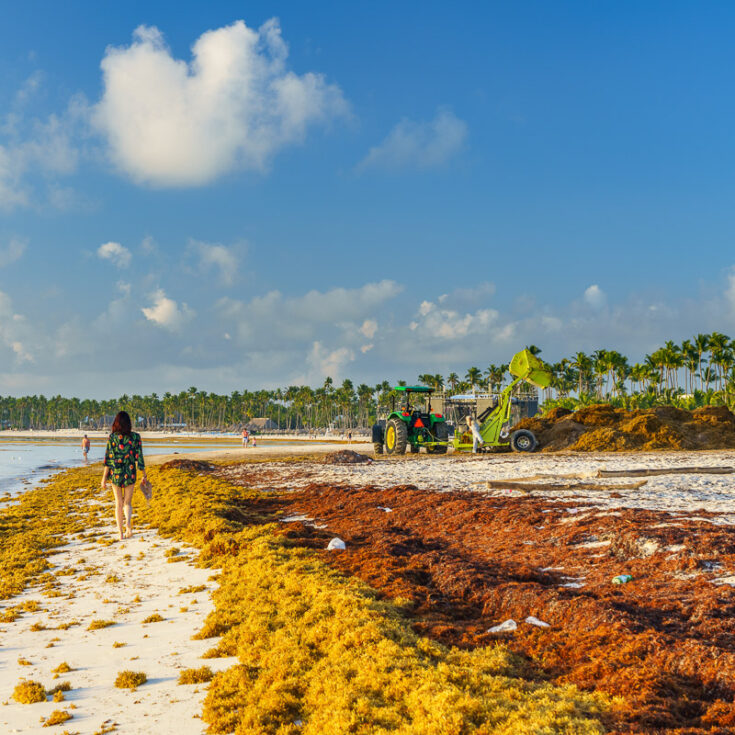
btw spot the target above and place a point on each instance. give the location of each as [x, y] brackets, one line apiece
[699, 371]
[295, 407]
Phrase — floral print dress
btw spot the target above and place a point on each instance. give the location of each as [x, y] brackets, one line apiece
[123, 453]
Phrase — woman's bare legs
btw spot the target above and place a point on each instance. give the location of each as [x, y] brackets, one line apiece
[128, 509]
[118, 493]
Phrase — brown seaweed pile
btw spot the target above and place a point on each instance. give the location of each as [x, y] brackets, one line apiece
[346, 456]
[189, 465]
[664, 643]
[603, 428]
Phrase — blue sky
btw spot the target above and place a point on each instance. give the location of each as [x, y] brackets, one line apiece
[243, 195]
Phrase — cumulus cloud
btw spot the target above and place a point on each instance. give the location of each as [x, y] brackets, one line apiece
[166, 313]
[324, 362]
[30, 146]
[11, 252]
[213, 256]
[169, 122]
[418, 145]
[595, 297]
[15, 333]
[116, 253]
[369, 328]
[276, 319]
[448, 324]
[295, 338]
[730, 290]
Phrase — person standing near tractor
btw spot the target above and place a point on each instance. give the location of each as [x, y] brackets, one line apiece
[477, 440]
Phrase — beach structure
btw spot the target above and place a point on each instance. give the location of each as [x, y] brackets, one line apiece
[261, 424]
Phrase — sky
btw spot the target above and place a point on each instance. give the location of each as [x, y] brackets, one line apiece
[245, 195]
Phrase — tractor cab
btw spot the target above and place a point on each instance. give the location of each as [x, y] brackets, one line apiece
[404, 395]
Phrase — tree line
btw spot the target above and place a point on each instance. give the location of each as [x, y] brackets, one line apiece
[699, 371]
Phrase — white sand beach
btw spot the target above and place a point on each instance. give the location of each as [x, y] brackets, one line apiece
[123, 583]
[668, 492]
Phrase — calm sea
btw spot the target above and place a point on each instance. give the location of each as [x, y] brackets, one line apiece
[24, 461]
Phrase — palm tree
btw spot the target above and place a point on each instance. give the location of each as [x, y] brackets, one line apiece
[690, 361]
[474, 374]
[599, 369]
[494, 375]
[718, 344]
[453, 380]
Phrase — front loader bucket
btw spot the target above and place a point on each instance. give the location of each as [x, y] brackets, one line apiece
[528, 367]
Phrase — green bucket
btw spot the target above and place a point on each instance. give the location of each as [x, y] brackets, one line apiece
[528, 367]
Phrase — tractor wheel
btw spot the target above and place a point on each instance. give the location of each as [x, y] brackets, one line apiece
[522, 441]
[441, 434]
[396, 437]
[415, 448]
[378, 438]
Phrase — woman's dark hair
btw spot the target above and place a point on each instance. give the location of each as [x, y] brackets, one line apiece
[121, 424]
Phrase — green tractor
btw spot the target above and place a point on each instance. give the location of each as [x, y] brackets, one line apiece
[410, 427]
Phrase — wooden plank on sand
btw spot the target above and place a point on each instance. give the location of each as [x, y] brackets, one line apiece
[556, 486]
[647, 472]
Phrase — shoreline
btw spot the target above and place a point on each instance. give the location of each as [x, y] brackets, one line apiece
[197, 436]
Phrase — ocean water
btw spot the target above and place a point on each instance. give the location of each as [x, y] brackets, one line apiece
[24, 461]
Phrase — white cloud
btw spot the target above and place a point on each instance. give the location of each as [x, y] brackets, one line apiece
[166, 312]
[551, 323]
[32, 146]
[148, 245]
[343, 303]
[29, 88]
[476, 293]
[173, 123]
[11, 252]
[16, 335]
[217, 257]
[595, 297]
[324, 362]
[439, 324]
[730, 290]
[369, 328]
[280, 339]
[116, 253]
[419, 145]
[273, 319]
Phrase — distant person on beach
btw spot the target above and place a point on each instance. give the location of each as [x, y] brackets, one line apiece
[254, 442]
[349, 437]
[245, 437]
[86, 444]
[123, 455]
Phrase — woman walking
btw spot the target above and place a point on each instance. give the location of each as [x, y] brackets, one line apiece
[123, 455]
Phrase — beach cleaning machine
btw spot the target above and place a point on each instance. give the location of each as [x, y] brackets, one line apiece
[406, 427]
[491, 427]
